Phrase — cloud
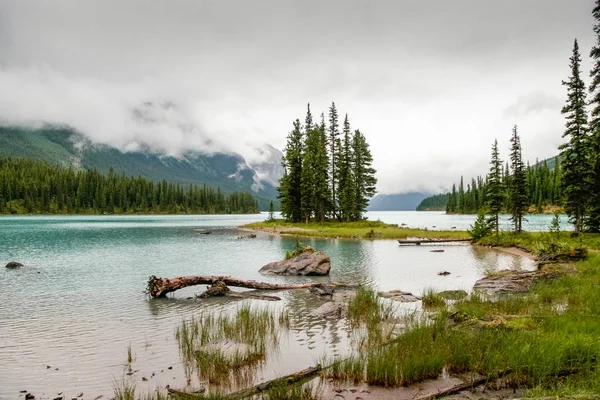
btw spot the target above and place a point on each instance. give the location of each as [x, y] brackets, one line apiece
[431, 84]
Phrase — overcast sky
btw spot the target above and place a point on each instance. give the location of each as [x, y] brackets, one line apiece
[430, 83]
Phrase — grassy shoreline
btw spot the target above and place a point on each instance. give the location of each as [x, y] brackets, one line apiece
[351, 230]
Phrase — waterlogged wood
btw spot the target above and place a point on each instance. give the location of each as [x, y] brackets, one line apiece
[160, 287]
[283, 381]
[220, 289]
[418, 242]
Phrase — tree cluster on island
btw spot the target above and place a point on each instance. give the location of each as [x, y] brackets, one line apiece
[28, 186]
[328, 173]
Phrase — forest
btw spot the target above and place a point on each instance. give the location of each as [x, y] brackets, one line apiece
[35, 187]
[328, 172]
[543, 191]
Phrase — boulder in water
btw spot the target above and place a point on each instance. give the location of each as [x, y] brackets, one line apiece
[307, 263]
[14, 265]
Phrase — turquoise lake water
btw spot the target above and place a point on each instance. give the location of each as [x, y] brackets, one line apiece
[67, 318]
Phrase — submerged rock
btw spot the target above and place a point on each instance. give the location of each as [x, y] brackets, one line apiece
[317, 263]
[398, 295]
[329, 309]
[14, 265]
[443, 273]
[453, 294]
[322, 289]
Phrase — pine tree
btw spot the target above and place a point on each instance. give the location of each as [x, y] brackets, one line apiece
[271, 211]
[575, 152]
[346, 175]
[333, 139]
[308, 167]
[290, 192]
[364, 174]
[517, 193]
[593, 220]
[495, 190]
[321, 173]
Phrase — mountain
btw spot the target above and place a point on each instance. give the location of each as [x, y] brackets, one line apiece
[63, 146]
[396, 202]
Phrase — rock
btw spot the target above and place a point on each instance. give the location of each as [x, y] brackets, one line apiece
[329, 309]
[14, 265]
[307, 263]
[453, 294]
[443, 273]
[398, 295]
[144, 379]
[29, 396]
[252, 236]
[323, 289]
[80, 394]
[437, 251]
[509, 281]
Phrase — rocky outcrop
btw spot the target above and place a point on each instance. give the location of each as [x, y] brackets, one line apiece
[307, 263]
[13, 265]
[509, 281]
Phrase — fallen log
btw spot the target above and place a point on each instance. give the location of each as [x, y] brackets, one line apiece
[219, 288]
[283, 381]
[160, 287]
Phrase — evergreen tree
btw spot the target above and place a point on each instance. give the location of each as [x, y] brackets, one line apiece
[347, 186]
[321, 173]
[495, 190]
[517, 193]
[575, 152]
[271, 211]
[364, 174]
[309, 167]
[290, 192]
[334, 141]
[593, 220]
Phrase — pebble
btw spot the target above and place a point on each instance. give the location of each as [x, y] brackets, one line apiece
[23, 391]
[80, 394]
[29, 396]
[170, 368]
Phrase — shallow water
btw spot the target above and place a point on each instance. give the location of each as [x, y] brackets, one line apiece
[79, 302]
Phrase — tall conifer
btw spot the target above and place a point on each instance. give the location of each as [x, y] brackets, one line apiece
[334, 141]
[290, 192]
[517, 193]
[346, 175]
[575, 152]
[593, 220]
[495, 190]
[364, 174]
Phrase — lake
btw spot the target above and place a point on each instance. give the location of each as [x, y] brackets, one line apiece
[68, 317]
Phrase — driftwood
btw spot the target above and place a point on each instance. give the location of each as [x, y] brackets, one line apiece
[219, 288]
[160, 287]
[283, 381]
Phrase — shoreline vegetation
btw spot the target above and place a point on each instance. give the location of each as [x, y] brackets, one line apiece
[36, 187]
[350, 230]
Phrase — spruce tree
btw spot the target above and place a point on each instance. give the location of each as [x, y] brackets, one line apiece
[346, 183]
[309, 167]
[517, 193]
[271, 211]
[364, 174]
[495, 190]
[334, 141]
[290, 185]
[321, 172]
[593, 220]
[575, 153]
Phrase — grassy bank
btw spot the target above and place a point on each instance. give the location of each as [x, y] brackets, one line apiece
[354, 230]
[546, 341]
[543, 243]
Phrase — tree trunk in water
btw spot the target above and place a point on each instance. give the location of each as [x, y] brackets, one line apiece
[160, 287]
[219, 288]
